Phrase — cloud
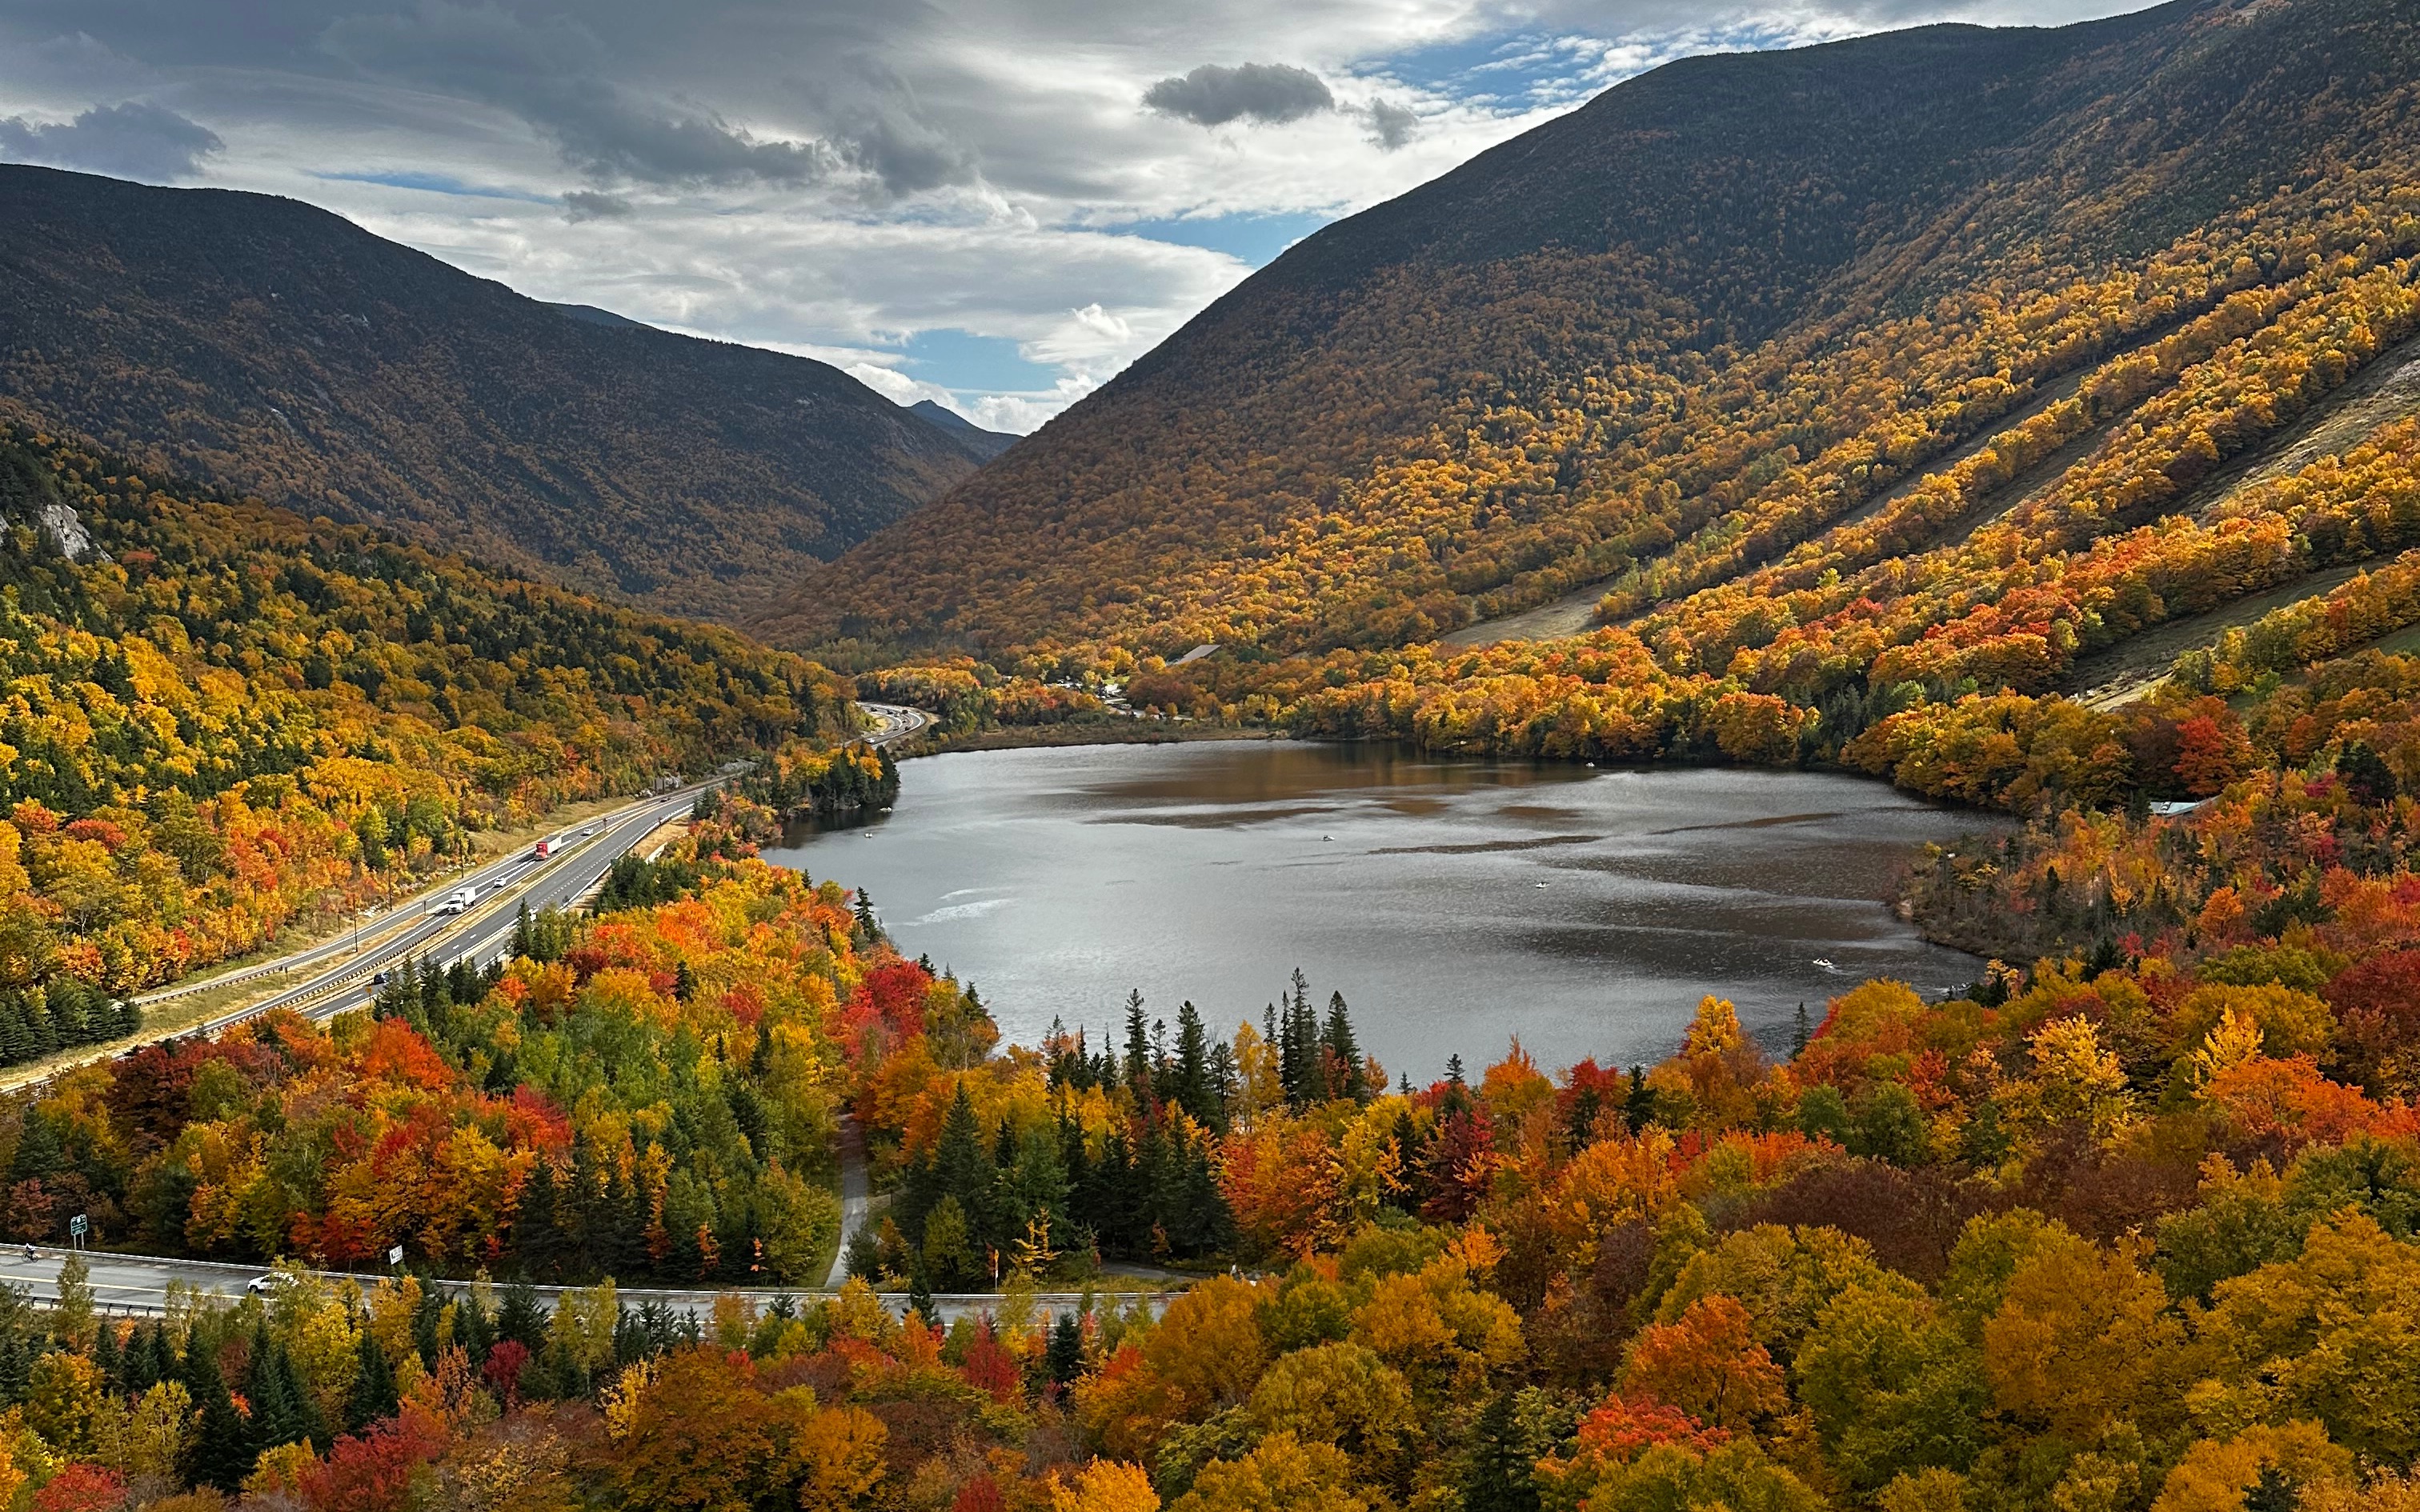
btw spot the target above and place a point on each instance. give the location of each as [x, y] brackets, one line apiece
[1392, 125]
[554, 75]
[1269, 93]
[592, 204]
[134, 140]
[844, 179]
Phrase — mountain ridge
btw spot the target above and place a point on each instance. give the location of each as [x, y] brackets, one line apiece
[279, 351]
[1468, 400]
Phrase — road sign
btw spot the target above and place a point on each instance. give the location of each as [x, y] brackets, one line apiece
[78, 1226]
[394, 1256]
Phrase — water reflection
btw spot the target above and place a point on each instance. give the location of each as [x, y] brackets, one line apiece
[1455, 902]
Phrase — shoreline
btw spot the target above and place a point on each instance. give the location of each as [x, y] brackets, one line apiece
[1045, 736]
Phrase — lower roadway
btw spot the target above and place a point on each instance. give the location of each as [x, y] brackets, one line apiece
[137, 1285]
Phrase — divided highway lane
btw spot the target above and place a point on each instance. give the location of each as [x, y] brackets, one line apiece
[138, 1284]
[483, 933]
[557, 882]
[894, 721]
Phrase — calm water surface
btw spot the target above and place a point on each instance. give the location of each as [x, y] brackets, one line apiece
[1455, 902]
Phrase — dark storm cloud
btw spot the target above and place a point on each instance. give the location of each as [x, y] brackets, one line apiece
[878, 126]
[590, 205]
[1392, 125]
[554, 74]
[1270, 93]
[131, 141]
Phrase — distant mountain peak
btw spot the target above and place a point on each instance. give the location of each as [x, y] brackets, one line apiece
[992, 442]
[596, 316]
[272, 348]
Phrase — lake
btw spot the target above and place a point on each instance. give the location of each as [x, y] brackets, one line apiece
[1455, 902]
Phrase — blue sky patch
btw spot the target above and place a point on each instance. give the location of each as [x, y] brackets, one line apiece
[436, 183]
[1254, 240]
[965, 362]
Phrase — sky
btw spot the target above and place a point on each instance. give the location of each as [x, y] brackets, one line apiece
[992, 204]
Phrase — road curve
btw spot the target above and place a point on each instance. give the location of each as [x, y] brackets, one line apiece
[893, 721]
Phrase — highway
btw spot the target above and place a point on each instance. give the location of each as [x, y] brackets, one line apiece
[340, 973]
[894, 721]
[137, 1285]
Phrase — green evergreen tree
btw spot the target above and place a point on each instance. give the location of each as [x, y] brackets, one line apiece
[961, 1169]
[373, 1396]
[1064, 1357]
[1496, 1478]
[223, 1451]
[1343, 1052]
[1195, 1093]
[272, 1391]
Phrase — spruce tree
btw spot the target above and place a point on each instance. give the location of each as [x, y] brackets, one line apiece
[1064, 1356]
[1343, 1051]
[1800, 1032]
[520, 1318]
[223, 1450]
[269, 1389]
[1138, 1050]
[108, 1356]
[1638, 1106]
[960, 1167]
[1193, 1090]
[1496, 1478]
[373, 1396]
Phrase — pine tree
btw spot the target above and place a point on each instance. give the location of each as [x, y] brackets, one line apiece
[373, 1396]
[223, 1451]
[1063, 1358]
[1800, 1031]
[524, 942]
[1496, 1478]
[1138, 1051]
[1343, 1051]
[1194, 1093]
[1638, 1106]
[961, 1169]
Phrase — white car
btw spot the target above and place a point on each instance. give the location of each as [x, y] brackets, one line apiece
[263, 1286]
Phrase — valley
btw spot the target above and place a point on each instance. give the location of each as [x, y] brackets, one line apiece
[1719, 812]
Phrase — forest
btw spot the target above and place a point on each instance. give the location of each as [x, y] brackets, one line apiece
[1665, 342]
[218, 721]
[2135, 1226]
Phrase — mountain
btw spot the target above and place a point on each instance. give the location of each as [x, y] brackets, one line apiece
[1723, 310]
[283, 352]
[217, 719]
[595, 317]
[992, 442]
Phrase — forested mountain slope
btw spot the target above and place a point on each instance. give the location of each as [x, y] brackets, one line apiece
[280, 351]
[217, 719]
[1724, 308]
